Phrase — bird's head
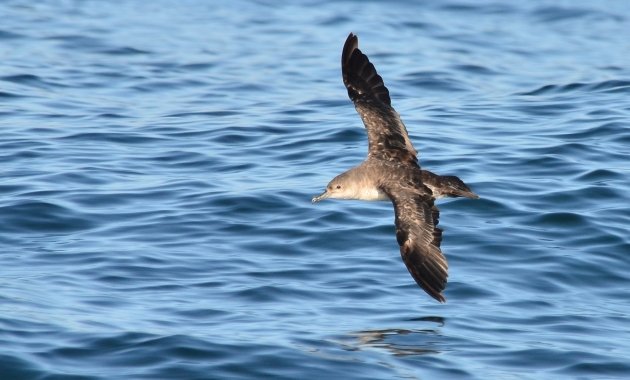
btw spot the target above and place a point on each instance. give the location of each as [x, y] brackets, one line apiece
[343, 186]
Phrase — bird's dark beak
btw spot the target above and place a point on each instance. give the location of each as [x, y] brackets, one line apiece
[320, 197]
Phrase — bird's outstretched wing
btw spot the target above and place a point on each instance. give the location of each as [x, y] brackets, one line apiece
[387, 135]
[419, 238]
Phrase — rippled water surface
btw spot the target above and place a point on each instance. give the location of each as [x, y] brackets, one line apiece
[158, 160]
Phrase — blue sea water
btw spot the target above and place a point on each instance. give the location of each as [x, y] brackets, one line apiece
[158, 160]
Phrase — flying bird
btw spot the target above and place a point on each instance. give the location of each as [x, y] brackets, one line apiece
[391, 172]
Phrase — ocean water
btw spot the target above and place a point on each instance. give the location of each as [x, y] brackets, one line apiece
[158, 161]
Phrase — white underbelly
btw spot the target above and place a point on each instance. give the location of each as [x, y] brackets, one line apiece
[373, 194]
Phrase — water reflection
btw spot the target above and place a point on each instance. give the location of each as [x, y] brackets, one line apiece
[398, 341]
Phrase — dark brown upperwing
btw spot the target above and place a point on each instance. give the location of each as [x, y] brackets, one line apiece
[419, 239]
[387, 135]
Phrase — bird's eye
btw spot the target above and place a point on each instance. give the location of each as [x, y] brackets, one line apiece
[338, 186]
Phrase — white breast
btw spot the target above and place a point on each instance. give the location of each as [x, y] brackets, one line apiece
[372, 194]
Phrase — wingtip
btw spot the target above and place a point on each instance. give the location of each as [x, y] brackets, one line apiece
[351, 44]
[358, 73]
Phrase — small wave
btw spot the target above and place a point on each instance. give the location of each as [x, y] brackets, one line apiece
[434, 81]
[38, 216]
[6, 35]
[599, 175]
[9, 95]
[126, 50]
[126, 138]
[475, 69]
[604, 86]
[550, 14]
[205, 114]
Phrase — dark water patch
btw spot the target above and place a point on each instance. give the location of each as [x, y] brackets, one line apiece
[565, 152]
[110, 349]
[605, 112]
[182, 158]
[243, 87]
[252, 205]
[105, 74]
[131, 138]
[293, 120]
[12, 367]
[71, 178]
[43, 217]
[552, 14]
[199, 66]
[203, 313]
[433, 80]
[63, 376]
[9, 190]
[236, 137]
[235, 168]
[487, 206]
[345, 135]
[460, 291]
[584, 272]
[121, 198]
[526, 304]
[162, 66]
[124, 51]
[32, 80]
[298, 111]
[112, 115]
[287, 274]
[609, 131]
[271, 293]
[555, 89]
[7, 35]
[613, 85]
[547, 358]
[546, 108]
[602, 241]
[576, 199]
[153, 86]
[546, 165]
[469, 9]
[178, 133]
[324, 103]
[560, 220]
[474, 69]
[77, 40]
[205, 114]
[420, 25]
[598, 368]
[599, 176]
[335, 20]
[10, 95]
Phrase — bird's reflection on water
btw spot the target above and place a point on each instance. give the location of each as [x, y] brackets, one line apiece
[399, 341]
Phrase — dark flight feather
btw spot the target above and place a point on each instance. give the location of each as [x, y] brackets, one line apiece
[419, 238]
[387, 136]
